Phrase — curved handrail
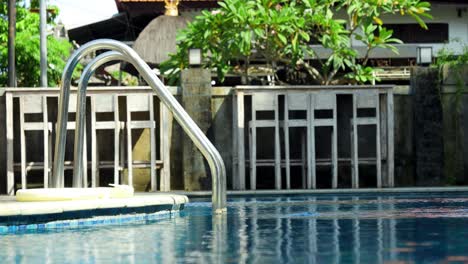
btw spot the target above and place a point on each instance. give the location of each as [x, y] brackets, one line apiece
[213, 157]
[80, 119]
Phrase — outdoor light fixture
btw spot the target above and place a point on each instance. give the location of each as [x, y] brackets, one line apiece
[195, 57]
[424, 56]
[171, 7]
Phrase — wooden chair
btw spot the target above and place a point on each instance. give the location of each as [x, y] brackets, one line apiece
[101, 104]
[297, 102]
[324, 101]
[264, 101]
[365, 99]
[141, 103]
[34, 105]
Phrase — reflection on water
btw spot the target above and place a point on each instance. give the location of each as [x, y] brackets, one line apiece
[296, 229]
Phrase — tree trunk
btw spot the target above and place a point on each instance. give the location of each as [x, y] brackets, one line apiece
[11, 43]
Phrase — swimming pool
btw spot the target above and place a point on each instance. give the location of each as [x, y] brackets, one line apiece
[365, 228]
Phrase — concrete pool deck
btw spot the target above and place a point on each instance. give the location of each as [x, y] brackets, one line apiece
[140, 203]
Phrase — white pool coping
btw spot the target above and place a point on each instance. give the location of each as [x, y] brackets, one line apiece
[10, 207]
[344, 191]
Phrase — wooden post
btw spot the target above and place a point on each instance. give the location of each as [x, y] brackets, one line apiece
[165, 135]
[354, 148]
[240, 137]
[390, 139]
[277, 147]
[154, 181]
[9, 130]
[310, 144]
[286, 142]
[46, 134]
[235, 158]
[334, 148]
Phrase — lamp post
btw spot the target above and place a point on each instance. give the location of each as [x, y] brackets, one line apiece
[196, 99]
[424, 56]
[171, 7]
[195, 57]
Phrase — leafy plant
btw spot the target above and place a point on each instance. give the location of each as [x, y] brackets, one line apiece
[127, 79]
[280, 32]
[457, 61]
[28, 50]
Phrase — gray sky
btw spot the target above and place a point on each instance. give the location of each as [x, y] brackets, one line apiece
[75, 13]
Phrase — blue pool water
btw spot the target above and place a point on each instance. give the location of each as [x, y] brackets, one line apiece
[424, 228]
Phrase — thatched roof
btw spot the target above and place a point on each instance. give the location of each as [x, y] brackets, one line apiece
[158, 39]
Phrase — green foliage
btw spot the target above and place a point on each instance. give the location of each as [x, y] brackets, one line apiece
[28, 50]
[127, 78]
[457, 64]
[448, 56]
[280, 32]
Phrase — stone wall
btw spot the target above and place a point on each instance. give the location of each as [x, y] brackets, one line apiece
[428, 127]
[455, 124]
[196, 100]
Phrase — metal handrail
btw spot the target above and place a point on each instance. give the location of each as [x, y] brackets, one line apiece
[123, 52]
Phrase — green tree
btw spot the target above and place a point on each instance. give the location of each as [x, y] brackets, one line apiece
[281, 31]
[28, 50]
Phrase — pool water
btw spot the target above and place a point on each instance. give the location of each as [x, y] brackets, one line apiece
[423, 228]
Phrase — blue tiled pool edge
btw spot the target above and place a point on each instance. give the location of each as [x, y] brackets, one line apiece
[17, 216]
[87, 218]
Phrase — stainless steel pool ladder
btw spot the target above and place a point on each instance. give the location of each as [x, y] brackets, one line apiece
[120, 51]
